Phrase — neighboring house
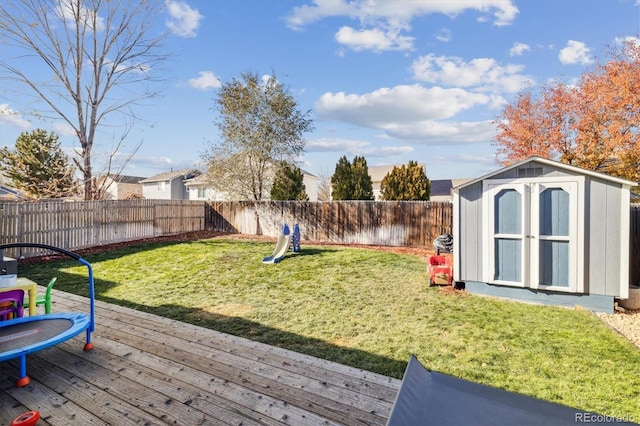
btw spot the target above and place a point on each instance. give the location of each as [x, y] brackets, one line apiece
[120, 187]
[168, 185]
[378, 173]
[310, 184]
[199, 189]
[442, 189]
[10, 194]
[544, 232]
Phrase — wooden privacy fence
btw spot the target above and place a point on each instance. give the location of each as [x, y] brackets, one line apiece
[390, 223]
[81, 224]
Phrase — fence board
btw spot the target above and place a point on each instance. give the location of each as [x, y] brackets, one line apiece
[81, 224]
[410, 223]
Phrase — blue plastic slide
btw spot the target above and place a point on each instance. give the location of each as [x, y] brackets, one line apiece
[282, 246]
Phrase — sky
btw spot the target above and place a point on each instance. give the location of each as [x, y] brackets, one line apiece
[391, 80]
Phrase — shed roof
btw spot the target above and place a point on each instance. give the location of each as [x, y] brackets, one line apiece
[551, 163]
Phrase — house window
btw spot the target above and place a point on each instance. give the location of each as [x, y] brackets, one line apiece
[202, 192]
[161, 185]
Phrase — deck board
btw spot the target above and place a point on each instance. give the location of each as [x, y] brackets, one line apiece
[146, 369]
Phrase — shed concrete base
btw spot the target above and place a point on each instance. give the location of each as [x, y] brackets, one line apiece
[592, 302]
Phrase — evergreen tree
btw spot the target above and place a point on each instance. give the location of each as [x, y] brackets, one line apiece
[351, 181]
[406, 183]
[288, 184]
[38, 166]
[342, 180]
[363, 186]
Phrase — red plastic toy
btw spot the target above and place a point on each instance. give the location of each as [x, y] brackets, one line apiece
[29, 418]
[440, 270]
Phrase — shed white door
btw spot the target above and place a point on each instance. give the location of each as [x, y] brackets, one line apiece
[532, 233]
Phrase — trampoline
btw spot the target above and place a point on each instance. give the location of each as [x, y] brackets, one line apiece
[22, 336]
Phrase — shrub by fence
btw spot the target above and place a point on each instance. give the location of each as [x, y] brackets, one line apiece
[391, 223]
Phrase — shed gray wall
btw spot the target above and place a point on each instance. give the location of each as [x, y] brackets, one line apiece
[603, 260]
[468, 243]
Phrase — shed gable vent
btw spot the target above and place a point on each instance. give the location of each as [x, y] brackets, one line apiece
[528, 172]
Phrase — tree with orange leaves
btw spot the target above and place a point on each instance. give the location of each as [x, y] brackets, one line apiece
[594, 124]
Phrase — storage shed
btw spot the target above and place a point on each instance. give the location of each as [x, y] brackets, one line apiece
[544, 232]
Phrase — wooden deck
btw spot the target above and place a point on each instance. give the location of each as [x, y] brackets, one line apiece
[149, 370]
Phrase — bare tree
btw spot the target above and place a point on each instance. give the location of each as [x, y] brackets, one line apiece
[324, 186]
[100, 54]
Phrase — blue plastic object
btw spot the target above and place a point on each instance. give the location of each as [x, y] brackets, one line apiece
[22, 336]
[295, 242]
[282, 246]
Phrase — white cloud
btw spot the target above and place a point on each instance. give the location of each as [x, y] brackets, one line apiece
[356, 147]
[401, 104]
[483, 74]
[63, 129]
[627, 39]
[518, 49]
[376, 39]
[133, 67]
[576, 52]
[333, 144]
[66, 13]
[158, 164]
[412, 113]
[382, 23]
[400, 12]
[206, 80]
[183, 20]
[445, 132]
[444, 35]
[13, 118]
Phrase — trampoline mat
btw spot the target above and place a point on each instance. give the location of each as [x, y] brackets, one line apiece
[29, 333]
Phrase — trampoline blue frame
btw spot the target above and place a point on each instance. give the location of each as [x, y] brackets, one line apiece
[80, 321]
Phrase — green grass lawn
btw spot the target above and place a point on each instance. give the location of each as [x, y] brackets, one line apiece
[368, 309]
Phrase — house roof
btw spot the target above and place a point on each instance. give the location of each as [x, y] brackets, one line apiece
[551, 163]
[125, 178]
[441, 187]
[7, 193]
[201, 179]
[304, 172]
[179, 174]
